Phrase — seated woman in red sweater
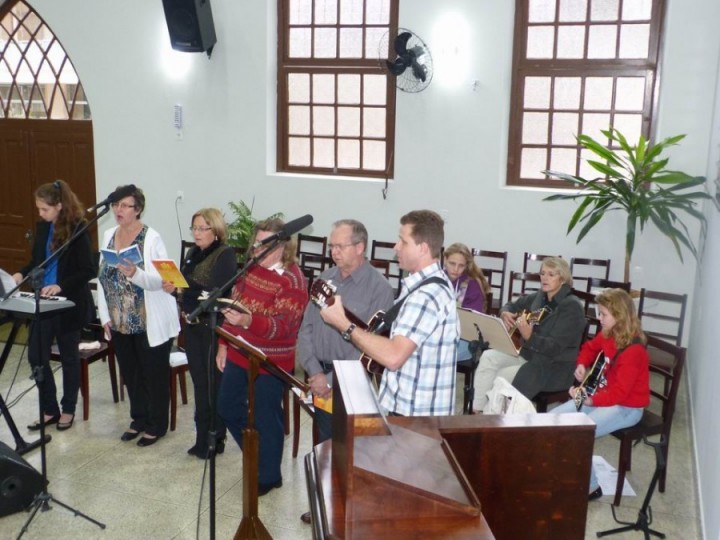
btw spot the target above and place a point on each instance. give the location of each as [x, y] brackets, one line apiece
[624, 388]
[274, 291]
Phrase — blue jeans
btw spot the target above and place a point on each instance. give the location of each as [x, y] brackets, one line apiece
[233, 408]
[463, 350]
[607, 420]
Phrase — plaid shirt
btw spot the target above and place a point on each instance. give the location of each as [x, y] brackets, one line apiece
[425, 384]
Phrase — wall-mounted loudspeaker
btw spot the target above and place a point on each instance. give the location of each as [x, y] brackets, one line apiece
[19, 482]
[190, 24]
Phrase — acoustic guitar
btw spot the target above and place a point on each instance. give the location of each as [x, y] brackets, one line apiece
[323, 292]
[592, 381]
[532, 317]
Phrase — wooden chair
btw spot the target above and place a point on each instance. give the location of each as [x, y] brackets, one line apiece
[185, 246]
[178, 369]
[493, 265]
[93, 333]
[532, 262]
[658, 416]
[382, 266]
[311, 245]
[664, 315]
[594, 266]
[526, 282]
[383, 251]
[300, 403]
[596, 284]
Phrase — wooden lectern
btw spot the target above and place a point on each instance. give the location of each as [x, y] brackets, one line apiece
[410, 477]
[251, 528]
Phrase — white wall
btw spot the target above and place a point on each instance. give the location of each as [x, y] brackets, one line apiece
[450, 151]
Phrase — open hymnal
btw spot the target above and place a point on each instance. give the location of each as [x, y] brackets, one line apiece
[130, 254]
[7, 283]
[169, 271]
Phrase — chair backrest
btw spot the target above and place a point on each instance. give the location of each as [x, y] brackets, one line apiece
[590, 309]
[185, 246]
[582, 269]
[382, 266]
[493, 264]
[594, 285]
[383, 251]
[314, 245]
[663, 314]
[316, 263]
[533, 261]
[667, 362]
[526, 282]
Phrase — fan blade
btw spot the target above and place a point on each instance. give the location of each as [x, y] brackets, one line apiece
[419, 70]
[397, 67]
[401, 43]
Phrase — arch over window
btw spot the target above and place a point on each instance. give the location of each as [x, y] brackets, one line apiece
[37, 79]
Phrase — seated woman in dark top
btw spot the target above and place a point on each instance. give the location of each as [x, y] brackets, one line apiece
[549, 345]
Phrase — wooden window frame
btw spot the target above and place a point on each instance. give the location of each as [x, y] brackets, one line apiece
[331, 66]
[616, 68]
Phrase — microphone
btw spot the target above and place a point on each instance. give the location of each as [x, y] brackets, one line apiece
[119, 193]
[290, 228]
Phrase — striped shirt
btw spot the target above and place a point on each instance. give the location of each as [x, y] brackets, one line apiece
[425, 384]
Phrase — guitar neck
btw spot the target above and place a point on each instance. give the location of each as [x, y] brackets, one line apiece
[357, 321]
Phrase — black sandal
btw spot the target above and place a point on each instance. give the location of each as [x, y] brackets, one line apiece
[49, 422]
[62, 426]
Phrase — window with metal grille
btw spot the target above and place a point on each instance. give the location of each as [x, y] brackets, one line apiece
[579, 67]
[37, 79]
[336, 105]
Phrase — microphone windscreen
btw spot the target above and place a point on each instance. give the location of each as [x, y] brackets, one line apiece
[296, 225]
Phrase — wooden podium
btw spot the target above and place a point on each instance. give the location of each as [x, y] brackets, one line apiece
[410, 477]
[251, 528]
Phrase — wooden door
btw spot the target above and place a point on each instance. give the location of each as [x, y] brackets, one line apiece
[33, 152]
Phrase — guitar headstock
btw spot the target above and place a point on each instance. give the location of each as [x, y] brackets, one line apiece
[322, 293]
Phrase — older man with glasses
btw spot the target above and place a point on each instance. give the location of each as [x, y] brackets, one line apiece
[365, 292]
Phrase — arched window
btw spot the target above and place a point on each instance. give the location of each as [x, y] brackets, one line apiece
[37, 79]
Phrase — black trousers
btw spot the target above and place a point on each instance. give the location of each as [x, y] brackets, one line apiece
[146, 373]
[198, 344]
[48, 329]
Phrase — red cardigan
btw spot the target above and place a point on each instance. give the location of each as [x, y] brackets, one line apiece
[277, 303]
[627, 377]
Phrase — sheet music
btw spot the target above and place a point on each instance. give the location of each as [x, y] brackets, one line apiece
[7, 283]
[493, 330]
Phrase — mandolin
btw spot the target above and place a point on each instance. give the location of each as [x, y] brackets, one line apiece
[532, 317]
[322, 293]
[594, 378]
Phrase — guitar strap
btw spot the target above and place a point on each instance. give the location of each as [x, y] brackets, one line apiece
[392, 313]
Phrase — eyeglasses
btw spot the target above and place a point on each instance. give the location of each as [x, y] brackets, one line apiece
[122, 206]
[340, 246]
[200, 229]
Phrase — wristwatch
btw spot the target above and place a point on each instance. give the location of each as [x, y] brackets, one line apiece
[346, 333]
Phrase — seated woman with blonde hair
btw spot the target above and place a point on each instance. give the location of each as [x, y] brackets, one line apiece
[471, 287]
[624, 384]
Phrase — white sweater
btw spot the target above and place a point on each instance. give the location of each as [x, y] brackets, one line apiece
[160, 307]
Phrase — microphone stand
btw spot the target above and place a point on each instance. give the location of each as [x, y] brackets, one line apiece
[36, 276]
[209, 305]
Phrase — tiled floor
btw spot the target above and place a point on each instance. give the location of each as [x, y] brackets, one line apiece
[156, 492]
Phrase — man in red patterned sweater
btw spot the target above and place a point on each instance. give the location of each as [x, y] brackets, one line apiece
[274, 292]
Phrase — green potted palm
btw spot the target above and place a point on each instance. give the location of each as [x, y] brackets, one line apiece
[240, 230]
[634, 180]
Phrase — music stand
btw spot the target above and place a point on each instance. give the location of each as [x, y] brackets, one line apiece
[644, 519]
[251, 527]
[36, 276]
